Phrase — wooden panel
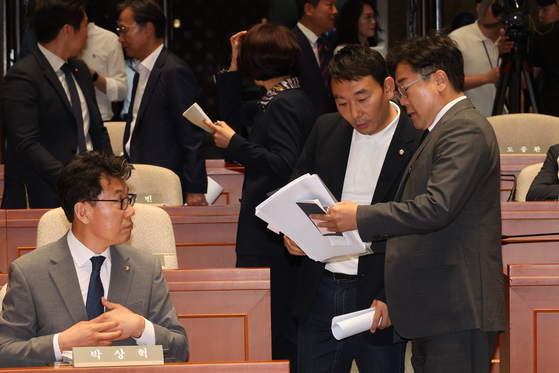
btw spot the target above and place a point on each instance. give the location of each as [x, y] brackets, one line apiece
[205, 235]
[519, 218]
[280, 366]
[226, 312]
[532, 300]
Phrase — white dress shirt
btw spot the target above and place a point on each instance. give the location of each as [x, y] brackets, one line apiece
[82, 255]
[144, 69]
[366, 158]
[103, 54]
[312, 40]
[56, 63]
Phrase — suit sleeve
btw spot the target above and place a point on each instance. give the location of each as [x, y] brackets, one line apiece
[455, 169]
[546, 184]
[21, 117]
[285, 126]
[305, 163]
[19, 343]
[168, 330]
[183, 92]
[233, 109]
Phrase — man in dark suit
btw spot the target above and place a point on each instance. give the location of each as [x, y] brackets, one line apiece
[316, 18]
[57, 295]
[444, 270]
[45, 122]
[360, 154]
[156, 133]
[545, 186]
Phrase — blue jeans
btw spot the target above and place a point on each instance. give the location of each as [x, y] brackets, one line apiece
[319, 351]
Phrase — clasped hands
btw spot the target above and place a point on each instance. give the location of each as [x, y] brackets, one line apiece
[117, 324]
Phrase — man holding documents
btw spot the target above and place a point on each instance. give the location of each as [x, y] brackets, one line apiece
[360, 154]
[443, 272]
[87, 288]
[164, 87]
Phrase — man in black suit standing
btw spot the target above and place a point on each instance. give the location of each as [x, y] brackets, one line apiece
[444, 269]
[360, 154]
[49, 110]
[164, 87]
[316, 18]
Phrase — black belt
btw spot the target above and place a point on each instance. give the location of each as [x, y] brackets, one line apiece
[339, 276]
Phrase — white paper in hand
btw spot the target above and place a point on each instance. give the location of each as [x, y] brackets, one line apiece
[344, 326]
[196, 115]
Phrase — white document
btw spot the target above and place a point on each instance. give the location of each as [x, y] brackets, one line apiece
[344, 326]
[282, 212]
[196, 115]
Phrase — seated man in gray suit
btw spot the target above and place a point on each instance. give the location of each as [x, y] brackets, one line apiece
[57, 294]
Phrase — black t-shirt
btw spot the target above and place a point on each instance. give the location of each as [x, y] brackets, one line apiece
[544, 53]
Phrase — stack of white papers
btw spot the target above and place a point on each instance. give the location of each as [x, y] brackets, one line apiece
[282, 212]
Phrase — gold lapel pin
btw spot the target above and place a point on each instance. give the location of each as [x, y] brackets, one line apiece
[127, 269]
[401, 151]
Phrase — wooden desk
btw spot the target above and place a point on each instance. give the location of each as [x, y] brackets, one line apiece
[279, 366]
[225, 312]
[532, 301]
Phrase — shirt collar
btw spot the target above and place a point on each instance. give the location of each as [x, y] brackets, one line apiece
[308, 33]
[54, 61]
[444, 110]
[291, 83]
[386, 133]
[480, 36]
[81, 253]
[150, 60]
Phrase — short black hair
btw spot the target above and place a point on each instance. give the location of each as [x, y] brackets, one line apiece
[301, 5]
[52, 15]
[145, 11]
[347, 23]
[430, 53]
[81, 177]
[355, 62]
[268, 51]
[543, 3]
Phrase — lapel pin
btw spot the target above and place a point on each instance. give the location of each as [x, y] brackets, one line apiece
[401, 151]
[76, 69]
[127, 269]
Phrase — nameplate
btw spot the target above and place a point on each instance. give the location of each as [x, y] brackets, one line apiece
[114, 356]
[151, 198]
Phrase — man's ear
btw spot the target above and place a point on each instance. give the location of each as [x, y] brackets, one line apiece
[81, 211]
[308, 9]
[441, 79]
[67, 30]
[389, 87]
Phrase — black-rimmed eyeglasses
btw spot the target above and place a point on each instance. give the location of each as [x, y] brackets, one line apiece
[403, 91]
[124, 202]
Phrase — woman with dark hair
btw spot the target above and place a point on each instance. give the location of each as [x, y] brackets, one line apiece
[357, 23]
[281, 121]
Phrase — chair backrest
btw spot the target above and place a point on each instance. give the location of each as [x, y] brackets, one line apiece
[155, 185]
[525, 179]
[525, 133]
[153, 232]
[116, 133]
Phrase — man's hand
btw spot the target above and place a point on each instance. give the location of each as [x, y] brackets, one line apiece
[504, 44]
[492, 76]
[292, 247]
[196, 199]
[340, 218]
[381, 310]
[89, 333]
[222, 133]
[128, 323]
[235, 49]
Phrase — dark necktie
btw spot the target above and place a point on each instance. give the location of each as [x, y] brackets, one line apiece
[93, 306]
[324, 58]
[130, 112]
[76, 106]
[425, 134]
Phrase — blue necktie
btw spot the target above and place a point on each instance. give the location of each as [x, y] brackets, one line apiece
[93, 306]
[130, 112]
[76, 106]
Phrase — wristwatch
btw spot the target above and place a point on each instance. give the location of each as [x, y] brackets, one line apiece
[95, 76]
